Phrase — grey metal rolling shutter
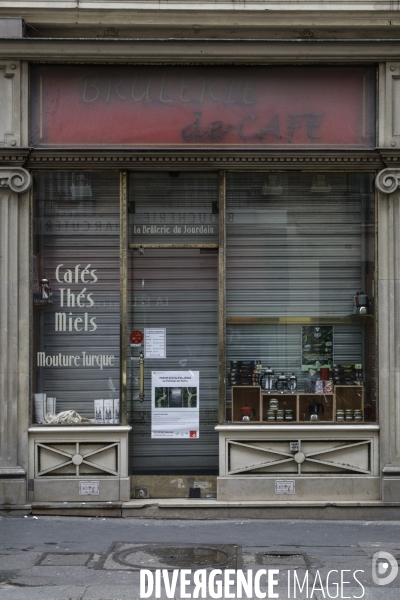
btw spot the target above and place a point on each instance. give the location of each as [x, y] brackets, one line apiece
[82, 230]
[300, 254]
[176, 289]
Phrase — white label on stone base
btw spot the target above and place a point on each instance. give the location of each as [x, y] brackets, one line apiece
[286, 486]
[89, 488]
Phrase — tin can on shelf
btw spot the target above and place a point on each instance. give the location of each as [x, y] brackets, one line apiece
[319, 387]
[271, 415]
[358, 416]
[328, 386]
[288, 416]
[280, 415]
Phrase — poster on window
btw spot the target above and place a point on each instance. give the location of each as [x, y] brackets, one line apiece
[175, 404]
[316, 347]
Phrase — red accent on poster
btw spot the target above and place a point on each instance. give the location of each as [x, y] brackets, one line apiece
[203, 107]
[136, 337]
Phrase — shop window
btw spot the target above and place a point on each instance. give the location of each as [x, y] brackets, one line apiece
[300, 297]
[76, 297]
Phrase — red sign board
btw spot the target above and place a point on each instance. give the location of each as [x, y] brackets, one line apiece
[200, 106]
[136, 337]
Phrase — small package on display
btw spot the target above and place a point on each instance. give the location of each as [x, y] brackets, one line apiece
[244, 372]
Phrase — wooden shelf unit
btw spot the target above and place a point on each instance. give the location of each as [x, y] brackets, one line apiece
[344, 397]
[286, 402]
[327, 401]
[243, 395]
[349, 396]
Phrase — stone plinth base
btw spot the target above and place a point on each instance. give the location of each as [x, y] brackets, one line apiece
[68, 462]
[12, 491]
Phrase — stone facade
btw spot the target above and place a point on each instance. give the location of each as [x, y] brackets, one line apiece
[188, 32]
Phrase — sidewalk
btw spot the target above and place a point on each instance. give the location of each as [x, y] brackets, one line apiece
[97, 558]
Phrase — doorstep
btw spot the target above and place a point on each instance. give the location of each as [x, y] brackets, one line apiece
[214, 503]
[77, 509]
[187, 508]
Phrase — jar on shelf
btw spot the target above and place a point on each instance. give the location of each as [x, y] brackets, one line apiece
[340, 415]
[288, 416]
[280, 415]
[349, 414]
[358, 416]
[273, 404]
[271, 415]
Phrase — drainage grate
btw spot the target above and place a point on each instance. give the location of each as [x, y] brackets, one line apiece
[132, 557]
[283, 559]
[64, 559]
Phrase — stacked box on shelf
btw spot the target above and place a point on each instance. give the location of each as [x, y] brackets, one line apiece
[285, 402]
[244, 372]
[347, 374]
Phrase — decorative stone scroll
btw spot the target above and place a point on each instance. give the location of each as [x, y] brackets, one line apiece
[15, 178]
[388, 180]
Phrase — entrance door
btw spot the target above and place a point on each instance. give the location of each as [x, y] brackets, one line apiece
[173, 291]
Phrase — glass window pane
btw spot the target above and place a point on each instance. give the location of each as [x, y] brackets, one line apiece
[300, 246]
[77, 330]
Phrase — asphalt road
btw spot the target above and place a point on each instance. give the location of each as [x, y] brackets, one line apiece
[68, 558]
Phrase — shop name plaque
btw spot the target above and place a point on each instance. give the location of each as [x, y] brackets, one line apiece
[176, 230]
[203, 106]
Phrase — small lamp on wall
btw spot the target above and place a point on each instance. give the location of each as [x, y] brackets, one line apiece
[361, 303]
[272, 186]
[81, 185]
[320, 183]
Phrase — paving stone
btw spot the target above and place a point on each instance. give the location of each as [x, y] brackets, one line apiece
[70, 592]
[18, 560]
[64, 559]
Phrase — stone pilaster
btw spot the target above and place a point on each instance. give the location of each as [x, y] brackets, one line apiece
[388, 185]
[13, 302]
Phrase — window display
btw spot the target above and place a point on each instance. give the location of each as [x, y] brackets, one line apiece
[76, 297]
[300, 297]
[342, 404]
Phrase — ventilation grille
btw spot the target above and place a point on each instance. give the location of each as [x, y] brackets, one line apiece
[314, 457]
[77, 459]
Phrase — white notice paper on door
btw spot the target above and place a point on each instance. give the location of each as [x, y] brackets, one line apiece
[155, 343]
[175, 404]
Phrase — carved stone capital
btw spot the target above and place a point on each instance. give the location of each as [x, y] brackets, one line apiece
[16, 178]
[388, 180]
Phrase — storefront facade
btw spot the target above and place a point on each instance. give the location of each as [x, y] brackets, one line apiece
[199, 267]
